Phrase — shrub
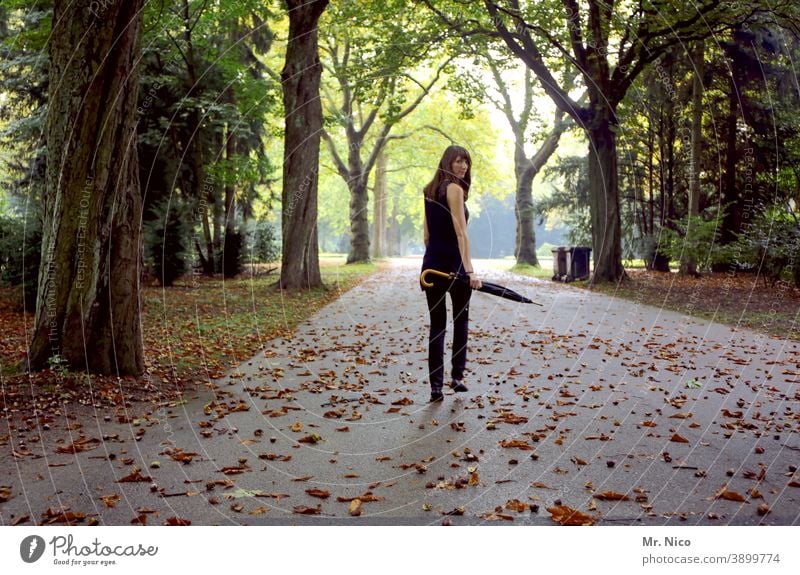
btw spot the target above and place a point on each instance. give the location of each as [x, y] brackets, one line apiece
[696, 237]
[166, 240]
[20, 255]
[770, 243]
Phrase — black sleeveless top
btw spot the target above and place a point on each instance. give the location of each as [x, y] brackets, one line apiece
[442, 251]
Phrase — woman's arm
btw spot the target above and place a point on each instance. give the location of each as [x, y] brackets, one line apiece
[425, 235]
[455, 201]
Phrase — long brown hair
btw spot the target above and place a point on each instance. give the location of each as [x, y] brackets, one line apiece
[444, 173]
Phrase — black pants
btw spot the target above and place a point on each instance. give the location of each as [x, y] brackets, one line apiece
[460, 293]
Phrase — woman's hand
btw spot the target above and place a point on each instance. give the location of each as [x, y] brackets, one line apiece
[474, 282]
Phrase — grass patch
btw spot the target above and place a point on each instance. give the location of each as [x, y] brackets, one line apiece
[201, 328]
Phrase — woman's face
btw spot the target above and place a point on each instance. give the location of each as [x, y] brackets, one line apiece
[460, 167]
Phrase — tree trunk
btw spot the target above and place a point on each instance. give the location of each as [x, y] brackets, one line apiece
[525, 171]
[359, 224]
[604, 202]
[689, 265]
[87, 311]
[300, 78]
[379, 207]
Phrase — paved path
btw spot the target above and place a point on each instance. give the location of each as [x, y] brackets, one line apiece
[594, 398]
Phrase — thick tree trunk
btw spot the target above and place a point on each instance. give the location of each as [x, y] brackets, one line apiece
[303, 111]
[525, 247]
[604, 203]
[359, 224]
[379, 207]
[87, 311]
[689, 265]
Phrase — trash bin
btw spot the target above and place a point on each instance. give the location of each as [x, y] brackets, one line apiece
[578, 263]
[559, 263]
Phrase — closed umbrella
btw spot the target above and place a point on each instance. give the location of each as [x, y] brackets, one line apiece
[487, 287]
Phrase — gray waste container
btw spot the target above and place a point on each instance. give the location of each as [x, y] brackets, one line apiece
[559, 263]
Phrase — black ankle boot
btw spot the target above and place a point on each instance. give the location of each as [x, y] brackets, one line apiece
[436, 396]
[458, 386]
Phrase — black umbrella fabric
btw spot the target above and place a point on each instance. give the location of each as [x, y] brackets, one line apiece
[487, 287]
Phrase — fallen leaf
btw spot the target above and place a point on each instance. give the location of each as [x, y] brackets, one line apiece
[5, 493]
[312, 438]
[305, 510]
[611, 496]
[177, 522]
[678, 438]
[516, 505]
[724, 493]
[296, 427]
[79, 445]
[540, 485]
[564, 515]
[321, 493]
[355, 508]
[648, 424]
[69, 517]
[135, 476]
[516, 444]
[110, 500]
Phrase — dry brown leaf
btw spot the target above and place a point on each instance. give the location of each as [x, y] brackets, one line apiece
[296, 427]
[724, 493]
[540, 485]
[516, 444]
[680, 415]
[110, 500]
[321, 493]
[648, 424]
[79, 445]
[305, 510]
[234, 470]
[312, 438]
[355, 508]
[678, 438]
[135, 476]
[177, 522]
[343, 429]
[5, 493]
[565, 515]
[611, 496]
[51, 516]
[516, 505]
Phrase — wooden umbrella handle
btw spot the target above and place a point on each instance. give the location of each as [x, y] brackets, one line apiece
[425, 273]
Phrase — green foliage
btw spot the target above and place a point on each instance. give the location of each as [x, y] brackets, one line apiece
[265, 244]
[695, 237]
[771, 245]
[166, 240]
[20, 254]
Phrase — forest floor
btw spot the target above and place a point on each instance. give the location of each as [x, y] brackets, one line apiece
[741, 300]
[588, 409]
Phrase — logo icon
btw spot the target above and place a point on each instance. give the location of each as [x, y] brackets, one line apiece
[31, 549]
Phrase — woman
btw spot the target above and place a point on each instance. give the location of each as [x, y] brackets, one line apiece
[447, 250]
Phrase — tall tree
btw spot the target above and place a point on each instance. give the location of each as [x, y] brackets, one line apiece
[609, 43]
[371, 62]
[87, 310]
[303, 111]
[689, 265]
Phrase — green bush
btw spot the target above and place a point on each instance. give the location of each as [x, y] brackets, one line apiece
[265, 247]
[20, 255]
[696, 237]
[770, 244]
[166, 240]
